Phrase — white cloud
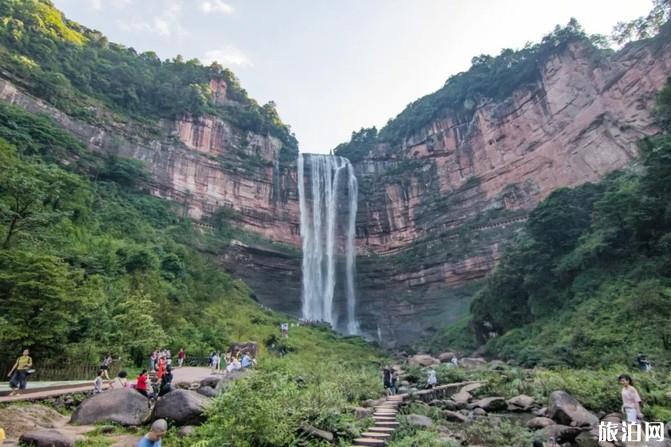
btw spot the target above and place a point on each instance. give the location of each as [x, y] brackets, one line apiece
[229, 55]
[119, 4]
[208, 6]
[166, 23]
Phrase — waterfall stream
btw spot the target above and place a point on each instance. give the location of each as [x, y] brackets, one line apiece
[321, 200]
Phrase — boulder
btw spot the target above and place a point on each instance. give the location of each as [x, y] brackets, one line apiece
[540, 411]
[560, 433]
[46, 438]
[206, 391]
[423, 360]
[446, 357]
[317, 433]
[211, 381]
[125, 407]
[444, 404]
[419, 421]
[472, 362]
[453, 416]
[566, 410]
[587, 439]
[182, 407]
[462, 398]
[479, 412]
[497, 365]
[539, 422]
[520, 403]
[490, 404]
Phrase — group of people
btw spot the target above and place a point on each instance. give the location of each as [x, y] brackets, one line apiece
[160, 364]
[231, 361]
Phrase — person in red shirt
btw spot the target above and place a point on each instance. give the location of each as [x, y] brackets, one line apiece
[141, 384]
[180, 357]
[160, 372]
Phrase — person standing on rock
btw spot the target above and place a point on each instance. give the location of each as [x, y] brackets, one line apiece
[181, 355]
[166, 382]
[141, 383]
[19, 373]
[631, 401]
[98, 383]
[156, 433]
[432, 380]
[105, 365]
[152, 360]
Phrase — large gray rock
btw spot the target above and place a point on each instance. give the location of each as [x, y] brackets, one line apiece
[46, 438]
[125, 407]
[490, 404]
[521, 402]
[423, 360]
[462, 398]
[362, 412]
[453, 416]
[182, 407]
[211, 381]
[566, 410]
[206, 391]
[560, 433]
[446, 357]
[587, 439]
[472, 362]
[539, 422]
[419, 421]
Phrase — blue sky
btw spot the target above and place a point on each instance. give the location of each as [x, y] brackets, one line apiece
[334, 66]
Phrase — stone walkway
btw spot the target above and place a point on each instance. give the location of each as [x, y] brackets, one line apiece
[37, 390]
[385, 423]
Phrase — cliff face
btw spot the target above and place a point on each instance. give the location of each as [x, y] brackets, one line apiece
[434, 212]
[437, 210]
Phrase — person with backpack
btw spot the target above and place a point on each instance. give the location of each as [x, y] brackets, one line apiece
[19, 373]
[105, 365]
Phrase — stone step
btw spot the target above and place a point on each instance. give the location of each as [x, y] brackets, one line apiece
[382, 429]
[387, 423]
[375, 434]
[369, 442]
[385, 410]
[384, 418]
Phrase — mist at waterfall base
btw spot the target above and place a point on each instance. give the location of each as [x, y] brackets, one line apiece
[328, 190]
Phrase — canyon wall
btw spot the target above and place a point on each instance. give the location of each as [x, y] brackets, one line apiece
[437, 210]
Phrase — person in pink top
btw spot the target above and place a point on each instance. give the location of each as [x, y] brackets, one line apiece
[631, 401]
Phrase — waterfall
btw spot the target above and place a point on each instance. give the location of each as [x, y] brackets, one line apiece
[319, 232]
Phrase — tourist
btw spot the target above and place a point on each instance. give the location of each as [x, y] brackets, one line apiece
[166, 382]
[152, 360]
[643, 363]
[215, 362]
[455, 361]
[141, 383]
[284, 328]
[160, 371]
[246, 361]
[19, 373]
[168, 357]
[153, 438]
[98, 383]
[234, 365]
[432, 380]
[631, 401]
[181, 355]
[120, 381]
[387, 381]
[105, 365]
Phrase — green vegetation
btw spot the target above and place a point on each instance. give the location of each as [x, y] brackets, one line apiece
[90, 263]
[588, 281]
[489, 77]
[78, 70]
